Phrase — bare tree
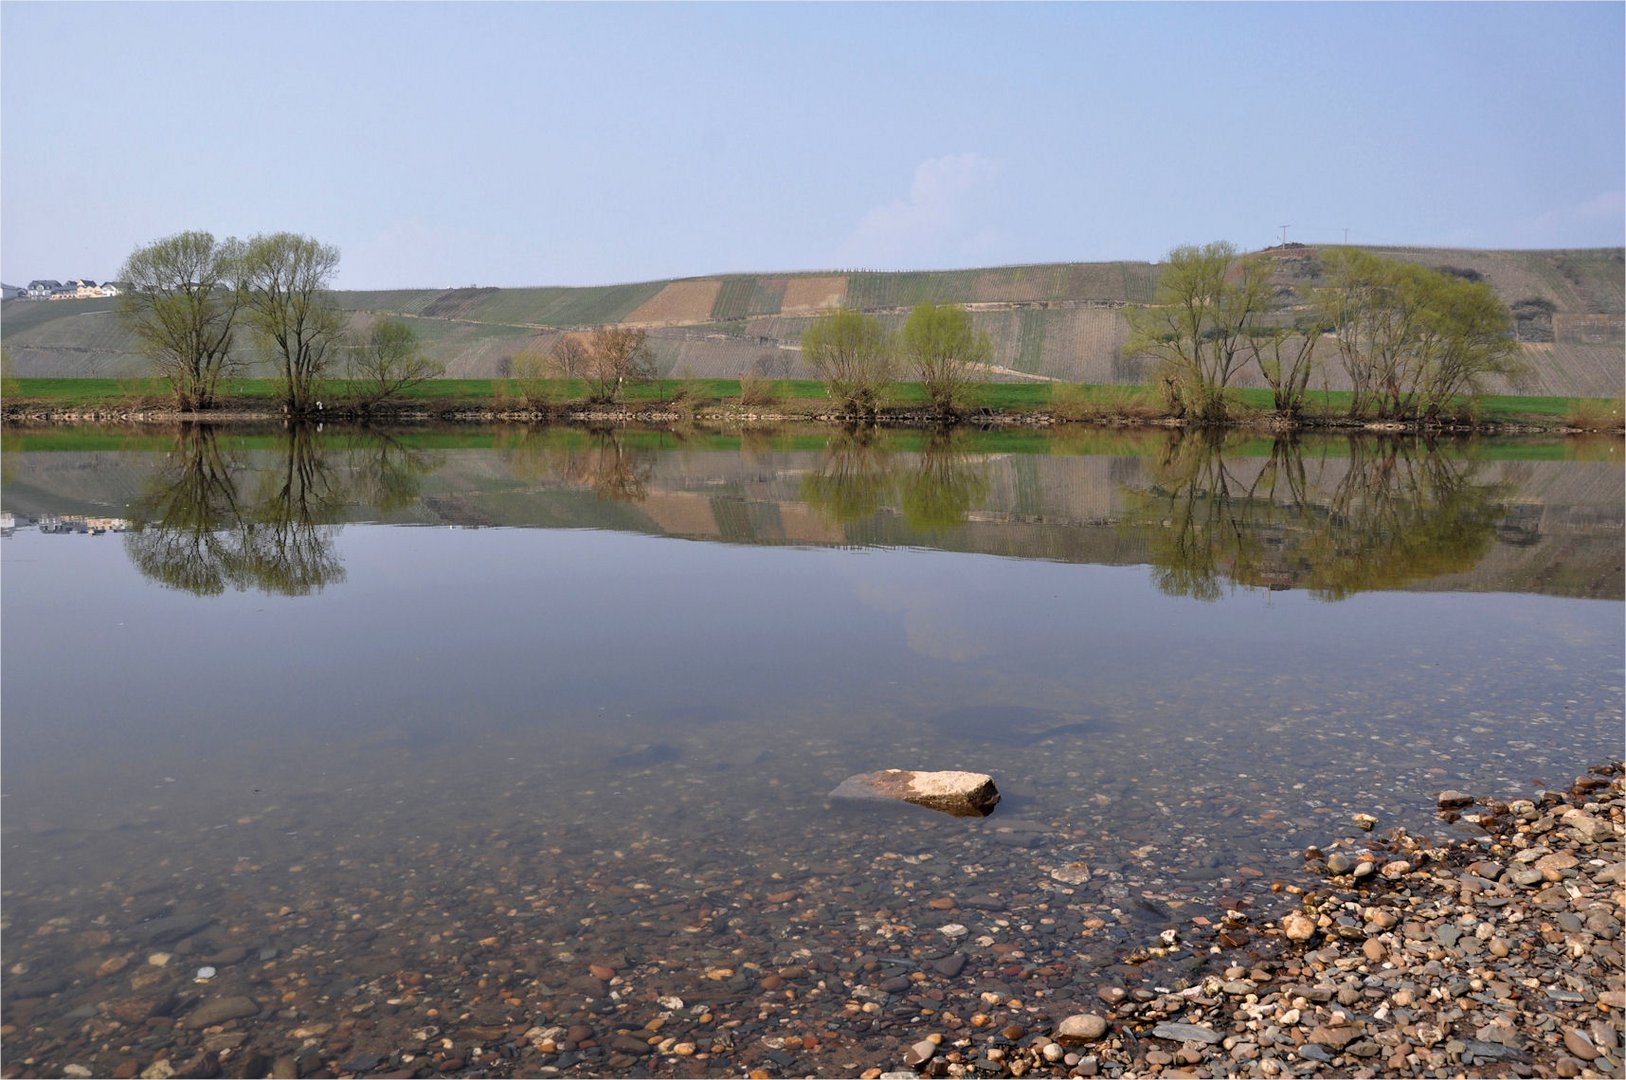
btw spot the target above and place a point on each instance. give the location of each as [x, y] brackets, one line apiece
[570, 356]
[387, 362]
[532, 372]
[772, 364]
[616, 355]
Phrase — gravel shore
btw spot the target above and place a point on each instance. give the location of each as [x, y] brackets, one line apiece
[1490, 947]
[1495, 955]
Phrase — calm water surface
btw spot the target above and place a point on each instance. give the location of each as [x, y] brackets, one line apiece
[403, 732]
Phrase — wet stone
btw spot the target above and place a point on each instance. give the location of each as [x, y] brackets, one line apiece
[33, 986]
[220, 1010]
[170, 928]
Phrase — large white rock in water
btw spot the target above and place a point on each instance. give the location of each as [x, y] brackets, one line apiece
[963, 794]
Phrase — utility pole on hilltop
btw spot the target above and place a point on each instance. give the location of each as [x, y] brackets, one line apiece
[1346, 235]
[1284, 234]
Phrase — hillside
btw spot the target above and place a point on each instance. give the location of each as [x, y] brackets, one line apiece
[1056, 321]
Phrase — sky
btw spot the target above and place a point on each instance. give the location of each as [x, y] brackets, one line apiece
[515, 144]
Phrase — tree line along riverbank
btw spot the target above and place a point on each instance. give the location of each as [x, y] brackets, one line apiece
[1406, 345]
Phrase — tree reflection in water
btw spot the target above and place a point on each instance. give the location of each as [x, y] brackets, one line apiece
[947, 484]
[860, 475]
[1393, 512]
[193, 528]
[187, 527]
[854, 478]
[602, 460]
[385, 472]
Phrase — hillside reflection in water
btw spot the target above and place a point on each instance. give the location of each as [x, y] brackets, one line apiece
[1335, 517]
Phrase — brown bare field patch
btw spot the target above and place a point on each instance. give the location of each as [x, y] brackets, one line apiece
[804, 525]
[679, 302]
[681, 513]
[813, 293]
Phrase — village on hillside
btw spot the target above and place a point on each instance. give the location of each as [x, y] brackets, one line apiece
[50, 289]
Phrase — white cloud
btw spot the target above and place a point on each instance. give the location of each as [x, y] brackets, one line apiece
[937, 221]
[931, 623]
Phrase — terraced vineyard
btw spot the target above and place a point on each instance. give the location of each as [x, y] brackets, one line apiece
[1084, 345]
[746, 295]
[1575, 370]
[1060, 320]
[1589, 280]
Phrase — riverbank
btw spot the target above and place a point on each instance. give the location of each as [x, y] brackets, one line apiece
[1496, 953]
[31, 416]
[34, 402]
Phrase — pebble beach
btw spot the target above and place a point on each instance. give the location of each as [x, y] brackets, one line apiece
[1492, 949]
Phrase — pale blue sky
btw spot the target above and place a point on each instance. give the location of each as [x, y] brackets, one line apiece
[529, 144]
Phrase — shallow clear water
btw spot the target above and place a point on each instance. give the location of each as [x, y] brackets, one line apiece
[602, 725]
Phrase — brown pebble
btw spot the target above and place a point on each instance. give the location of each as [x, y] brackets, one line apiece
[600, 971]
[1013, 1031]
[1578, 1044]
[942, 903]
[771, 982]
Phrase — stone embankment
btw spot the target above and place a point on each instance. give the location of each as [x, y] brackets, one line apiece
[34, 414]
[1494, 954]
